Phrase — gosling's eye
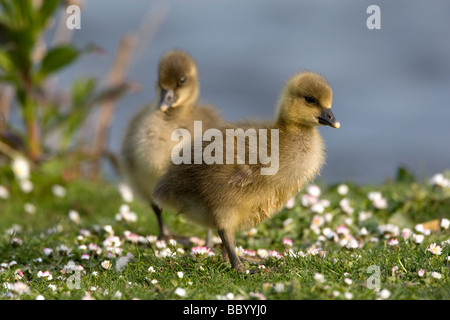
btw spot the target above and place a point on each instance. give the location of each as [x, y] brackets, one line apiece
[181, 81]
[310, 100]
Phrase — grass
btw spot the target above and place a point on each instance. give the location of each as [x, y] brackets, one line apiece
[318, 267]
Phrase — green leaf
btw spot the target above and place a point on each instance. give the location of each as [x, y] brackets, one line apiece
[5, 62]
[82, 91]
[404, 175]
[112, 93]
[47, 8]
[56, 59]
[8, 68]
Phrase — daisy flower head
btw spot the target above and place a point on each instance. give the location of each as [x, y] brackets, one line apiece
[16, 242]
[262, 253]
[342, 189]
[125, 214]
[318, 207]
[377, 200]
[118, 294]
[393, 242]
[287, 242]
[108, 229]
[308, 200]
[201, 251]
[18, 288]
[4, 193]
[436, 275]
[290, 203]
[47, 251]
[180, 292]
[252, 232]
[348, 295]
[106, 264]
[420, 228]
[274, 254]
[352, 244]
[26, 186]
[445, 223]
[406, 233]
[394, 271]
[18, 274]
[29, 208]
[374, 195]
[59, 191]
[313, 190]
[279, 287]
[312, 251]
[364, 215]
[389, 230]
[345, 206]
[330, 234]
[288, 223]
[130, 236]
[161, 244]
[21, 168]
[439, 180]
[384, 294]
[74, 216]
[363, 231]
[126, 192]
[319, 277]
[317, 221]
[435, 249]
[418, 238]
[343, 230]
[63, 250]
[112, 242]
[46, 275]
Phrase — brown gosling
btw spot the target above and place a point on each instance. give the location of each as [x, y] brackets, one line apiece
[147, 145]
[231, 197]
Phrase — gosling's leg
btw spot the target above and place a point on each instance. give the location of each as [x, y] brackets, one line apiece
[209, 242]
[164, 231]
[229, 243]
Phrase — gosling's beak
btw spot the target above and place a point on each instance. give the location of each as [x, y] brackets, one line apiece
[327, 118]
[168, 97]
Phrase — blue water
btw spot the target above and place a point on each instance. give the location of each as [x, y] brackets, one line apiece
[391, 86]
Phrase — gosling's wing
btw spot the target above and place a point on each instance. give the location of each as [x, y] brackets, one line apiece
[242, 175]
[209, 116]
[247, 165]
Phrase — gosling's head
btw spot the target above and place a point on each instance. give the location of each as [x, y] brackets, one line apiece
[177, 80]
[306, 101]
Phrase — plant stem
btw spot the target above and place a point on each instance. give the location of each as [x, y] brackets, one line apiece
[28, 105]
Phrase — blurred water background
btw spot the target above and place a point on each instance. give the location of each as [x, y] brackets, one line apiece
[391, 86]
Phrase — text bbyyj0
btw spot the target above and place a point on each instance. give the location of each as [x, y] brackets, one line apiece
[238, 309]
[257, 152]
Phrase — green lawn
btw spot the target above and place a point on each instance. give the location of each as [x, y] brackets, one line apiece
[338, 249]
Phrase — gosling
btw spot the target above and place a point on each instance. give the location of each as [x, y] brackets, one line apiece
[232, 197]
[147, 144]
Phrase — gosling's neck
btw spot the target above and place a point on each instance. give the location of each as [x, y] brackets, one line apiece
[179, 112]
[302, 153]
